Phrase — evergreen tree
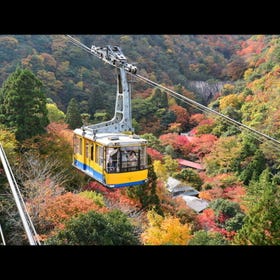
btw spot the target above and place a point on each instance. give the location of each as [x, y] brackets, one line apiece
[73, 116]
[167, 118]
[95, 101]
[153, 142]
[203, 237]
[261, 225]
[146, 193]
[228, 214]
[159, 99]
[23, 104]
[189, 176]
[93, 228]
[254, 168]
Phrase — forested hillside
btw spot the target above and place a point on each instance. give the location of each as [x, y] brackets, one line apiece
[68, 71]
[235, 171]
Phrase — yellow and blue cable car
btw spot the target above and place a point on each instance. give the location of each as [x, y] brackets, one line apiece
[103, 151]
[115, 160]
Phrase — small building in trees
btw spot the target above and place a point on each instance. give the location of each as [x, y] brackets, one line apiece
[187, 163]
[197, 204]
[176, 187]
[188, 194]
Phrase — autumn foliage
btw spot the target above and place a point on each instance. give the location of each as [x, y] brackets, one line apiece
[178, 142]
[182, 115]
[61, 208]
[61, 130]
[210, 222]
[165, 231]
[203, 144]
[251, 97]
[196, 119]
[115, 197]
[252, 46]
[154, 154]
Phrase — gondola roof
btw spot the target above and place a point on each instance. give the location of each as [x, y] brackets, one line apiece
[111, 139]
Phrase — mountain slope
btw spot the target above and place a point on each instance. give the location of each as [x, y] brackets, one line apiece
[68, 71]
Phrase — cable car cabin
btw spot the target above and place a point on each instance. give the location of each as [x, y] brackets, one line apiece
[115, 160]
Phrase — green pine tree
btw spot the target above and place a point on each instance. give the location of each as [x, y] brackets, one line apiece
[159, 99]
[73, 116]
[146, 193]
[262, 224]
[203, 237]
[254, 168]
[23, 104]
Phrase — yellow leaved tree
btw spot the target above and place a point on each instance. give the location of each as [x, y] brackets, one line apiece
[165, 231]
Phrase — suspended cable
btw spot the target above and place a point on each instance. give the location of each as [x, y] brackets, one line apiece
[257, 135]
[206, 109]
[2, 236]
[87, 49]
[25, 218]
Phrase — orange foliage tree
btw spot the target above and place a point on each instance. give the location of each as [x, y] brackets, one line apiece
[225, 185]
[175, 127]
[182, 115]
[49, 60]
[221, 180]
[175, 207]
[252, 46]
[59, 209]
[61, 130]
[195, 119]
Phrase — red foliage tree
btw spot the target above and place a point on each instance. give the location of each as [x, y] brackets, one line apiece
[115, 198]
[154, 154]
[178, 142]
[207, 220]
[95, 186]
[203, 144]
